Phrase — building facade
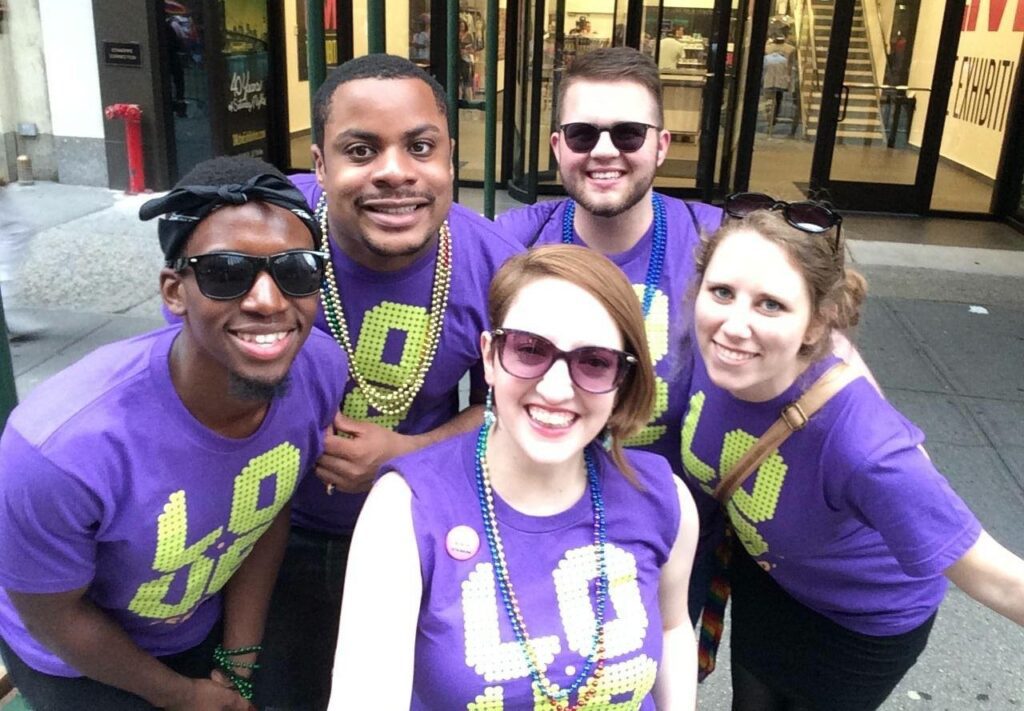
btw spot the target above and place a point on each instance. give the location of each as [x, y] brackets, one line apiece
[886, 105]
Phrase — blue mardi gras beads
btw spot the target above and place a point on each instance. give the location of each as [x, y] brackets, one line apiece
[595, 659]
[655, 263]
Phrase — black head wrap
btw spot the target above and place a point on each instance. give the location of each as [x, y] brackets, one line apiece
[185, 207]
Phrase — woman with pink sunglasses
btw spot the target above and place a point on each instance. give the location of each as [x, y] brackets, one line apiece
[534, 563]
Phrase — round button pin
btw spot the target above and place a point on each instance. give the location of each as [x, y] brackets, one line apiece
[462, 542]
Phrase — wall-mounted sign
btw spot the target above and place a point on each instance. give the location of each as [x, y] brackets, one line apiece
[122, 54]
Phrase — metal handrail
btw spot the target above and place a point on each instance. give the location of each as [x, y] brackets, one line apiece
[870, 37]
[806, 26]
[809, 12]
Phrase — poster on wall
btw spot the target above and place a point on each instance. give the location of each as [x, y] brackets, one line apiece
[246, 71]
[246, 108]
[987, 62]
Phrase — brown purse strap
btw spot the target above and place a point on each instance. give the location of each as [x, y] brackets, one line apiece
[794, 417]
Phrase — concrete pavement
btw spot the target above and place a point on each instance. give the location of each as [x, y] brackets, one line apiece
[943, 331]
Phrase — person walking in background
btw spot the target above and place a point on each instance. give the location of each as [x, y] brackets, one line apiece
[467, 62]
[15, 237]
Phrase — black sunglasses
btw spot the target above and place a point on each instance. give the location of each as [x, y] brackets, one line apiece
[811, 217]
[230, 275]
[627, 136]
[592, 368]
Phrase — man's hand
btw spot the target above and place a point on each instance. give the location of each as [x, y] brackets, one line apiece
[210, 695]
[355, 450]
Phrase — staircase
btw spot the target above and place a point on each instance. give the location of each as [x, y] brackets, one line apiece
[863, 120]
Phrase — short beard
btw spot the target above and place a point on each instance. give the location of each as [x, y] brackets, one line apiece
[631, 199]
[252, 390]
[628, 202]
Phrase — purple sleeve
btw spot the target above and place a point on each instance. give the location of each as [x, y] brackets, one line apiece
[709, 217]
[48, 522]
[308, 186]
[525, 224]
[898, 492]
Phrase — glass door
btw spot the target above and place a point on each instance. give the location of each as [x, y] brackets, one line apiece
[688, 38]
[851, 102]
[876, 149]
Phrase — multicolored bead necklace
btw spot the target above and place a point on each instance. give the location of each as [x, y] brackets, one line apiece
[385, 400]
[655, 263]
[583, 681]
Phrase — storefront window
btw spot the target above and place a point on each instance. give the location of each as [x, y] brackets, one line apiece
[472, 84]
[185, 32]
[681, 50]
[297, 74]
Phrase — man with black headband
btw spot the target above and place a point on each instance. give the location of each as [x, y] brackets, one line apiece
[145, 489]
[405, 298]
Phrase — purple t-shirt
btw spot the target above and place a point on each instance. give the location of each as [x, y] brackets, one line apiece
[849, 516]
[387, 314]
[466, 651]
[108, 481]
[669, 316]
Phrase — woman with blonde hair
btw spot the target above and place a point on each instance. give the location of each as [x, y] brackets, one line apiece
[845, 533]
[534, 563]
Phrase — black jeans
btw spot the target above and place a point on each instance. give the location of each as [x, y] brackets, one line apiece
[804, 660]
[44, 692]
[302, 624]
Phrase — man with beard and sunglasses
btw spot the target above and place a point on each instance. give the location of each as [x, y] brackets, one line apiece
[145, 489]
[406, 298]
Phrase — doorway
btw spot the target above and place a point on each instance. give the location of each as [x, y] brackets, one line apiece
[852, 107]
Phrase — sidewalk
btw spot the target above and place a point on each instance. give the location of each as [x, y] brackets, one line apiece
[943, 332]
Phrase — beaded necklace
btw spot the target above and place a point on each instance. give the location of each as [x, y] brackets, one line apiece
[655, 263]
[587, 687]
[384, 400]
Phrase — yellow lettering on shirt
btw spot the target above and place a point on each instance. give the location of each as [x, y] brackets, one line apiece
[207, 567]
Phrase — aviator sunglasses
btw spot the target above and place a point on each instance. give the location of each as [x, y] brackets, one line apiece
[627, 136]
[229, 275]
[528, 356]
[810, 217]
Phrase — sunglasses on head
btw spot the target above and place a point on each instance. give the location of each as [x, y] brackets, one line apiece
[528, 356]
[811, 217]
[627, 136]
[230, 275]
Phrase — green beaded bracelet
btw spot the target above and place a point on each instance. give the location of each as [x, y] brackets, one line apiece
[227, 665]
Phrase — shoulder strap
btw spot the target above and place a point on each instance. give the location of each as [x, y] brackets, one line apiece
[794, 417]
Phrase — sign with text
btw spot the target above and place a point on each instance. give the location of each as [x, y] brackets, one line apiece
[122, 54]
[245, 109]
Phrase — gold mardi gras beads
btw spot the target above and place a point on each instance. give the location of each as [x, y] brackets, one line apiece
[386, 400]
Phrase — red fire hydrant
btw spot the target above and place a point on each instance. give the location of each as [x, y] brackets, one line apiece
[132, 116]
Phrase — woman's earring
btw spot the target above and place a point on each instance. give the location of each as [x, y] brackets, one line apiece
[606, 439]
[489, 417]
